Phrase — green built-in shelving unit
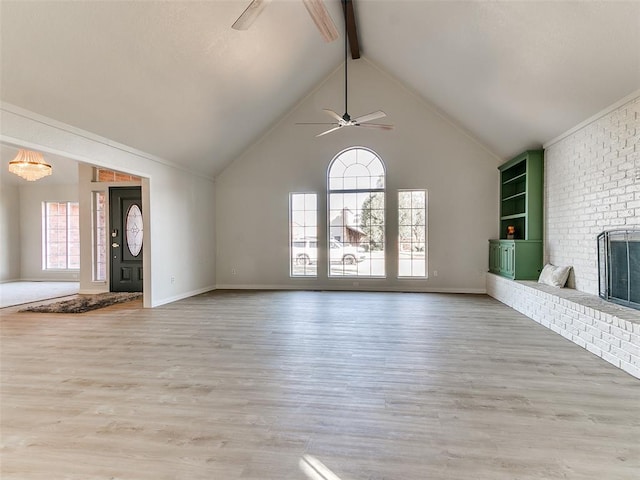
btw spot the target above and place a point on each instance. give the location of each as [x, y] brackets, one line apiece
[521, 193]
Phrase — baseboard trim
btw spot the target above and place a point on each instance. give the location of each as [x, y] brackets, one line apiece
[476, 291]
[88, 291]
[181, 296]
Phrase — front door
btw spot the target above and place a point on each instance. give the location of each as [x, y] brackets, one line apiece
[125, 226]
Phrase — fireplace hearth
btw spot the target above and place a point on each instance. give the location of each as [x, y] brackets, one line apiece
[619, 267]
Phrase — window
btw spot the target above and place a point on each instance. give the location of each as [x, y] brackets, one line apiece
[412, 233]
[356, 183]
[303, 234]
[99, 237]
[61, 235]
[104, 175]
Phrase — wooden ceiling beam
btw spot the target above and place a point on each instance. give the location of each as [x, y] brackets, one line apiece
[352, 30]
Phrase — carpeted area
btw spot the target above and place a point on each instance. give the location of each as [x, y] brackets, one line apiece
[18, 293]
[84, 303]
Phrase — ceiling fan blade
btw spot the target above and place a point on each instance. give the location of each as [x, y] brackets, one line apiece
[322, 19]
[381, 126]
[329, 131]
[334, 115]
[317, 123]
[250, 14]
[369, 117]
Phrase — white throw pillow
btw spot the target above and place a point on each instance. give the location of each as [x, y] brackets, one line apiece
[546, 274]
[554, 276]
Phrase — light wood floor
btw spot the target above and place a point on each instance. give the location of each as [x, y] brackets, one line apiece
[241, 385]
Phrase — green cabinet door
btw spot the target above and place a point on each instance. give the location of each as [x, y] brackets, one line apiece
[516, 259]
[507, 259]
[494, 257]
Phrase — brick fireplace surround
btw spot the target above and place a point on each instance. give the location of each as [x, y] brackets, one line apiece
[592, 184]
[605, 329]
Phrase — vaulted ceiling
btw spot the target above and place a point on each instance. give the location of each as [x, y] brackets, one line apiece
[174, 80]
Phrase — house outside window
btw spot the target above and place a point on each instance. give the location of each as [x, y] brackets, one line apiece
[356, 214]
[61, 239]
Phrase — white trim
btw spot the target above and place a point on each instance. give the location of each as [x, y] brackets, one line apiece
[401, 289]
[181, 296]
[18, 142]
[49, 122]
[92, 291]
[620, 103]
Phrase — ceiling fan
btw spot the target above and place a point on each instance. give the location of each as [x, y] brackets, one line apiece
[316, 9]
[346, 120]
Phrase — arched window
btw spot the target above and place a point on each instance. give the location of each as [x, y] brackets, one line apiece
[356, 204]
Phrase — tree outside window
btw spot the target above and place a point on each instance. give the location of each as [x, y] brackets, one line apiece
[356, 217]
[412, 233]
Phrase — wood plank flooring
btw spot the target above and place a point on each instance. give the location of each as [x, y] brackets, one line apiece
[242, 385]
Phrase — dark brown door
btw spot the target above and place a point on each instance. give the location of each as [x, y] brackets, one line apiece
[125, 225]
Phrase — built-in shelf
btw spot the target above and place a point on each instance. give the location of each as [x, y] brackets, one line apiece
[517, 253]
[517, 195]
[511, 217]
[516, 178]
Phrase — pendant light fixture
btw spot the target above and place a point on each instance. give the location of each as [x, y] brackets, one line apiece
[30, 165]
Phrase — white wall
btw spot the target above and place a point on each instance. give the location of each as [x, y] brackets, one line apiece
[31, 198]
[592, 184]
[179, 205]
[9, 233]
[424, 151]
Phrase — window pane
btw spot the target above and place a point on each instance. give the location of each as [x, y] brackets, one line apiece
[412, 248]
[62, 235]
[99, 237]
[297, 203]
[356, 219]
[303, 233]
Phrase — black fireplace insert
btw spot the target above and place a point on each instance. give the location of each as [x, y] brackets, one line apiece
[619, 267]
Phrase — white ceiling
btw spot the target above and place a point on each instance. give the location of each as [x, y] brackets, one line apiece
[174, 80]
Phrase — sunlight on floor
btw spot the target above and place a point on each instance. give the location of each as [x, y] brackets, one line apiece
[314, 469]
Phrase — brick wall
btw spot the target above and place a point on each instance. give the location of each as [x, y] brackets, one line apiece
[604, 329]
[592, 184]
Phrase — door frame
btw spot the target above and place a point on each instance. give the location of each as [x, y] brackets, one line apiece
[131, 195]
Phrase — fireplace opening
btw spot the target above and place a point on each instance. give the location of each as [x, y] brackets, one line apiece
[619, 267]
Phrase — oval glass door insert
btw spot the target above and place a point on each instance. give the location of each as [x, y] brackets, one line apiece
[134, 230]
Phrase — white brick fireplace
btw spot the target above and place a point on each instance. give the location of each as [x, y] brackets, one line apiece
[591, 185]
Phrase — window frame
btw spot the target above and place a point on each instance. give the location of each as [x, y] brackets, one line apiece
[347, 191]
[68, 227]
[99, 236]
[426, 234]
[312, 272]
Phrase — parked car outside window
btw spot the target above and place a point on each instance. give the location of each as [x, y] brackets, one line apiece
[305, 251]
